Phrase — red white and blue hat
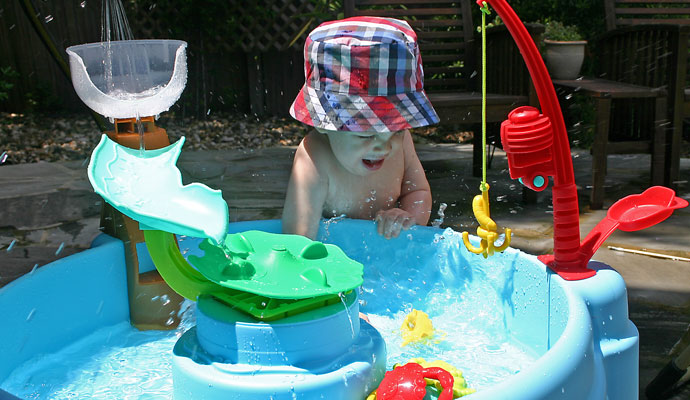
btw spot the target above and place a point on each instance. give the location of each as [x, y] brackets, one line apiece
[363, 74]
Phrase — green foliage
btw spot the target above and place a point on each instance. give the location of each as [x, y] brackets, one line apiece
[555, 30]
[580, 121]
[495, 22]
[7, 76]
[587, 15]
[42, 98]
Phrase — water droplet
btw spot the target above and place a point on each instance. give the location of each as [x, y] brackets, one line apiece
[11, 246]
[59, 250]
[441, 215]
[83, 4]
[48, 18]
[3, 157]
[31, 314]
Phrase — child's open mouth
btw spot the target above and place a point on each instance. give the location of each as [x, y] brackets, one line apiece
[372, 165]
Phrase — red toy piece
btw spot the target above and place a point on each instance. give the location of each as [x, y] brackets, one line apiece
[407, 383]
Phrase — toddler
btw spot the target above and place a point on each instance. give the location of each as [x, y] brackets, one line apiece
[363, 90]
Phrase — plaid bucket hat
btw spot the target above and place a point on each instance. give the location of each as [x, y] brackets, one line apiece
[363, 74]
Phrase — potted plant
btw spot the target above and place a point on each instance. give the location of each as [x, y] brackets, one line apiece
[564, 50]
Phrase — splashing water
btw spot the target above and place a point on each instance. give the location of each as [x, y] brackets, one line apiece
[464, 299]
[120, 94]
[140, 129]
[343, 300]
[114, 24]
[59, 250]
[112, 363]
[437, 222]
[11, 246]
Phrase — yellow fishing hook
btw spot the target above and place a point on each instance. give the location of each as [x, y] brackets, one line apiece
[487, 229]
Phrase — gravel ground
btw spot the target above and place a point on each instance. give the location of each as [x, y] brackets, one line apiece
[27, 138]
[42, 137]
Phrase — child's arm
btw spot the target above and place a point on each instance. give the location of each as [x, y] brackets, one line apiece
[415, 196]
[414, 200]
[306, 192]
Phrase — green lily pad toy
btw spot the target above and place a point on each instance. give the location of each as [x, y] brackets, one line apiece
[267, 275]
[278, 266]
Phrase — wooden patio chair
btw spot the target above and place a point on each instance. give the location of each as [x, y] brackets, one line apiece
[640, 68]
[446, 35]
[634, 32]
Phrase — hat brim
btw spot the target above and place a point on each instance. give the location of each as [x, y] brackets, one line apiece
[347, 112]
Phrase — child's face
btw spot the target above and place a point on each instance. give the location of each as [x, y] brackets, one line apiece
[362, 153]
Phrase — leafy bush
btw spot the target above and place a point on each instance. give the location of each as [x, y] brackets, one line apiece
[588, 16]
[555, 30]
[7, 75]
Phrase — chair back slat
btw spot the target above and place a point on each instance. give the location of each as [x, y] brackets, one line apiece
[639, 12]
[445, 34]
[640, 57]
[649, 13]
[645, 56]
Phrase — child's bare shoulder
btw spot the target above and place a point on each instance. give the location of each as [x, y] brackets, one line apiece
[315, 142]
[315, 149]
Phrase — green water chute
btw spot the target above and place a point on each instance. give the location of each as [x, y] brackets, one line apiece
[174, 269]
[147, 187]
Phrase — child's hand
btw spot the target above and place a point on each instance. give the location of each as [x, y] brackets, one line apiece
[389, 223]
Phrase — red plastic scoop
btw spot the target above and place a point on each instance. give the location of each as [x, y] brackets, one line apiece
[632, 213]
[640, 211]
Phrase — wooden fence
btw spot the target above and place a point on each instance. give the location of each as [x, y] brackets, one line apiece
[243, 56]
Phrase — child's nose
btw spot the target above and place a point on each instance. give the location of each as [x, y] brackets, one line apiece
[382, 144]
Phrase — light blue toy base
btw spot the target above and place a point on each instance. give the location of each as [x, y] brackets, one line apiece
[147, 187]
[238, 338]
[244, 359]
[586, 345]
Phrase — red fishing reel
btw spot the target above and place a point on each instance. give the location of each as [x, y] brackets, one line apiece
[527, 138]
